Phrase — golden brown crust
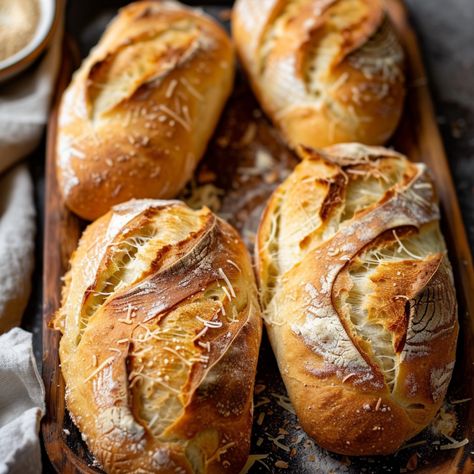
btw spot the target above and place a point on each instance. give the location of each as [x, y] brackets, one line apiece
[358, 297]
[138, 114]
[161, 330]
[325, 71]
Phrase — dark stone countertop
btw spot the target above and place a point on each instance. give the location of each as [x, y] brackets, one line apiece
[446, 34]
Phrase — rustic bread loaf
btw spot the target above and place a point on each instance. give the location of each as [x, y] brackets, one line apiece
[324, 71]
[161, 331]
[138, 114]
[358, 297]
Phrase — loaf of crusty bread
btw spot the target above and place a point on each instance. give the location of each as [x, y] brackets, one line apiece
[358, 297]
[325, 72]
[138, 114]
[161, 331]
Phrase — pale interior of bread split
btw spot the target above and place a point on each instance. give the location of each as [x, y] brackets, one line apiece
[131, 257]
[159, 400]
[296, 228]
[414, 247]
[321, 52]
[167, 354]
[142, 60]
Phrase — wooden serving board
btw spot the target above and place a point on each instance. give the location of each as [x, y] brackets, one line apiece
[244, 163]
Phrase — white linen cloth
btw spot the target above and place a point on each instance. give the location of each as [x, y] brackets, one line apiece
[24, 107]
[21, 404]
[17, 232]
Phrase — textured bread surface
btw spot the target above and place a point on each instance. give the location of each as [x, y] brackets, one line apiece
[161, 331]
[325, 71]
[138, 114]
[358, 297]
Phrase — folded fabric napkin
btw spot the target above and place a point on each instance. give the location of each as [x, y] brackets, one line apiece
[24, 107]
[17, 232]
[21, 404]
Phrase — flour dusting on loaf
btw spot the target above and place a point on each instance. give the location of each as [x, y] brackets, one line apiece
[324, 71]
[138, 114]
[161, 330]
[358, 296]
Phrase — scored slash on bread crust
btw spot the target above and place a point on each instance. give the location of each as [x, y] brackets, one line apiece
[325, 71]
[138, 114]
[161, 331]
[358, 297]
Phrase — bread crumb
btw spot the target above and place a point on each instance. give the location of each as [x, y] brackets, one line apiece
[412, 463]
[271, 177]
[249, 135]
[224, 15]
[223, 142]
[206, 176]
[445, 422]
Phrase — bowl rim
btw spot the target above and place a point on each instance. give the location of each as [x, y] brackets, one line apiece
[49, 15]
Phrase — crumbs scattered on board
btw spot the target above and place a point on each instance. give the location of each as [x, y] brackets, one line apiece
[280, 444]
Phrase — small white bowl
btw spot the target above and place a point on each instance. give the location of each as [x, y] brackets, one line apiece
[49, 16]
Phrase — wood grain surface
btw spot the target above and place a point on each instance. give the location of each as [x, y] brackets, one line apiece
[245, 138]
